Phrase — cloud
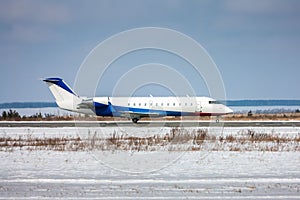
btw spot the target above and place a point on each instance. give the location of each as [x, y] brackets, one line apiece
[262, 6]
[28, 34]
[255, 18]
[31, 21]
[34, 12]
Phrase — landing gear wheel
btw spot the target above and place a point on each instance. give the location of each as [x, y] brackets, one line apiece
[135, 120]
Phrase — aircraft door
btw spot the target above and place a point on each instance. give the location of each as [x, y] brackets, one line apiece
[150, 104]
[198, 107]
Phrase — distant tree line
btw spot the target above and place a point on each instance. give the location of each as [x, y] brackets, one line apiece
[11, 114]
[14, 115]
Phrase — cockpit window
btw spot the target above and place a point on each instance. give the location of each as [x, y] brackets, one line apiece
[215, 102]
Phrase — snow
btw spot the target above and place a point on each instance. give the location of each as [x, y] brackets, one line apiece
[77, 175]
[264, 109]
[92, 174]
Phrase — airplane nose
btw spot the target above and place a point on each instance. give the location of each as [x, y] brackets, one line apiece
[228, 110]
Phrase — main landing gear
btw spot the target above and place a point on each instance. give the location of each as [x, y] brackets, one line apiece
[135, 120]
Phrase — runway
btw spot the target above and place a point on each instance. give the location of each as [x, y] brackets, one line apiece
[149, 124]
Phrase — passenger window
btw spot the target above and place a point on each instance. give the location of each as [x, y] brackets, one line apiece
[145, 104]
[133, 104]
[168, 104]
[162, 104]
[128, 104]
[174, 104]
[140, 104]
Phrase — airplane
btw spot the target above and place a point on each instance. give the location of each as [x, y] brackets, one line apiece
[134, 108]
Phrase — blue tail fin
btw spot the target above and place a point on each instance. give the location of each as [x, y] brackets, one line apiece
[60, 82]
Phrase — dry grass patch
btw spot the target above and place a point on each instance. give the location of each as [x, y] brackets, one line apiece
[178, 139]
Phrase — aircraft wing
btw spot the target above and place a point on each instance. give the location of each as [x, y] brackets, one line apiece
[132, 114]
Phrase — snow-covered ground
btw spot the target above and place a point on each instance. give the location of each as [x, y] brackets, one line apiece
[264, 109]
[78, 175]
[93, 174]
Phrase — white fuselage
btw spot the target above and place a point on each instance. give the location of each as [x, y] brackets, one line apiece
[163, 106]
[134, 107]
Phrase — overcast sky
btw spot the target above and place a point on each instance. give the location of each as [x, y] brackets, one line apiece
[255, 44]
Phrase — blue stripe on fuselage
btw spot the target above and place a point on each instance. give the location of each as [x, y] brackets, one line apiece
[111, 110]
